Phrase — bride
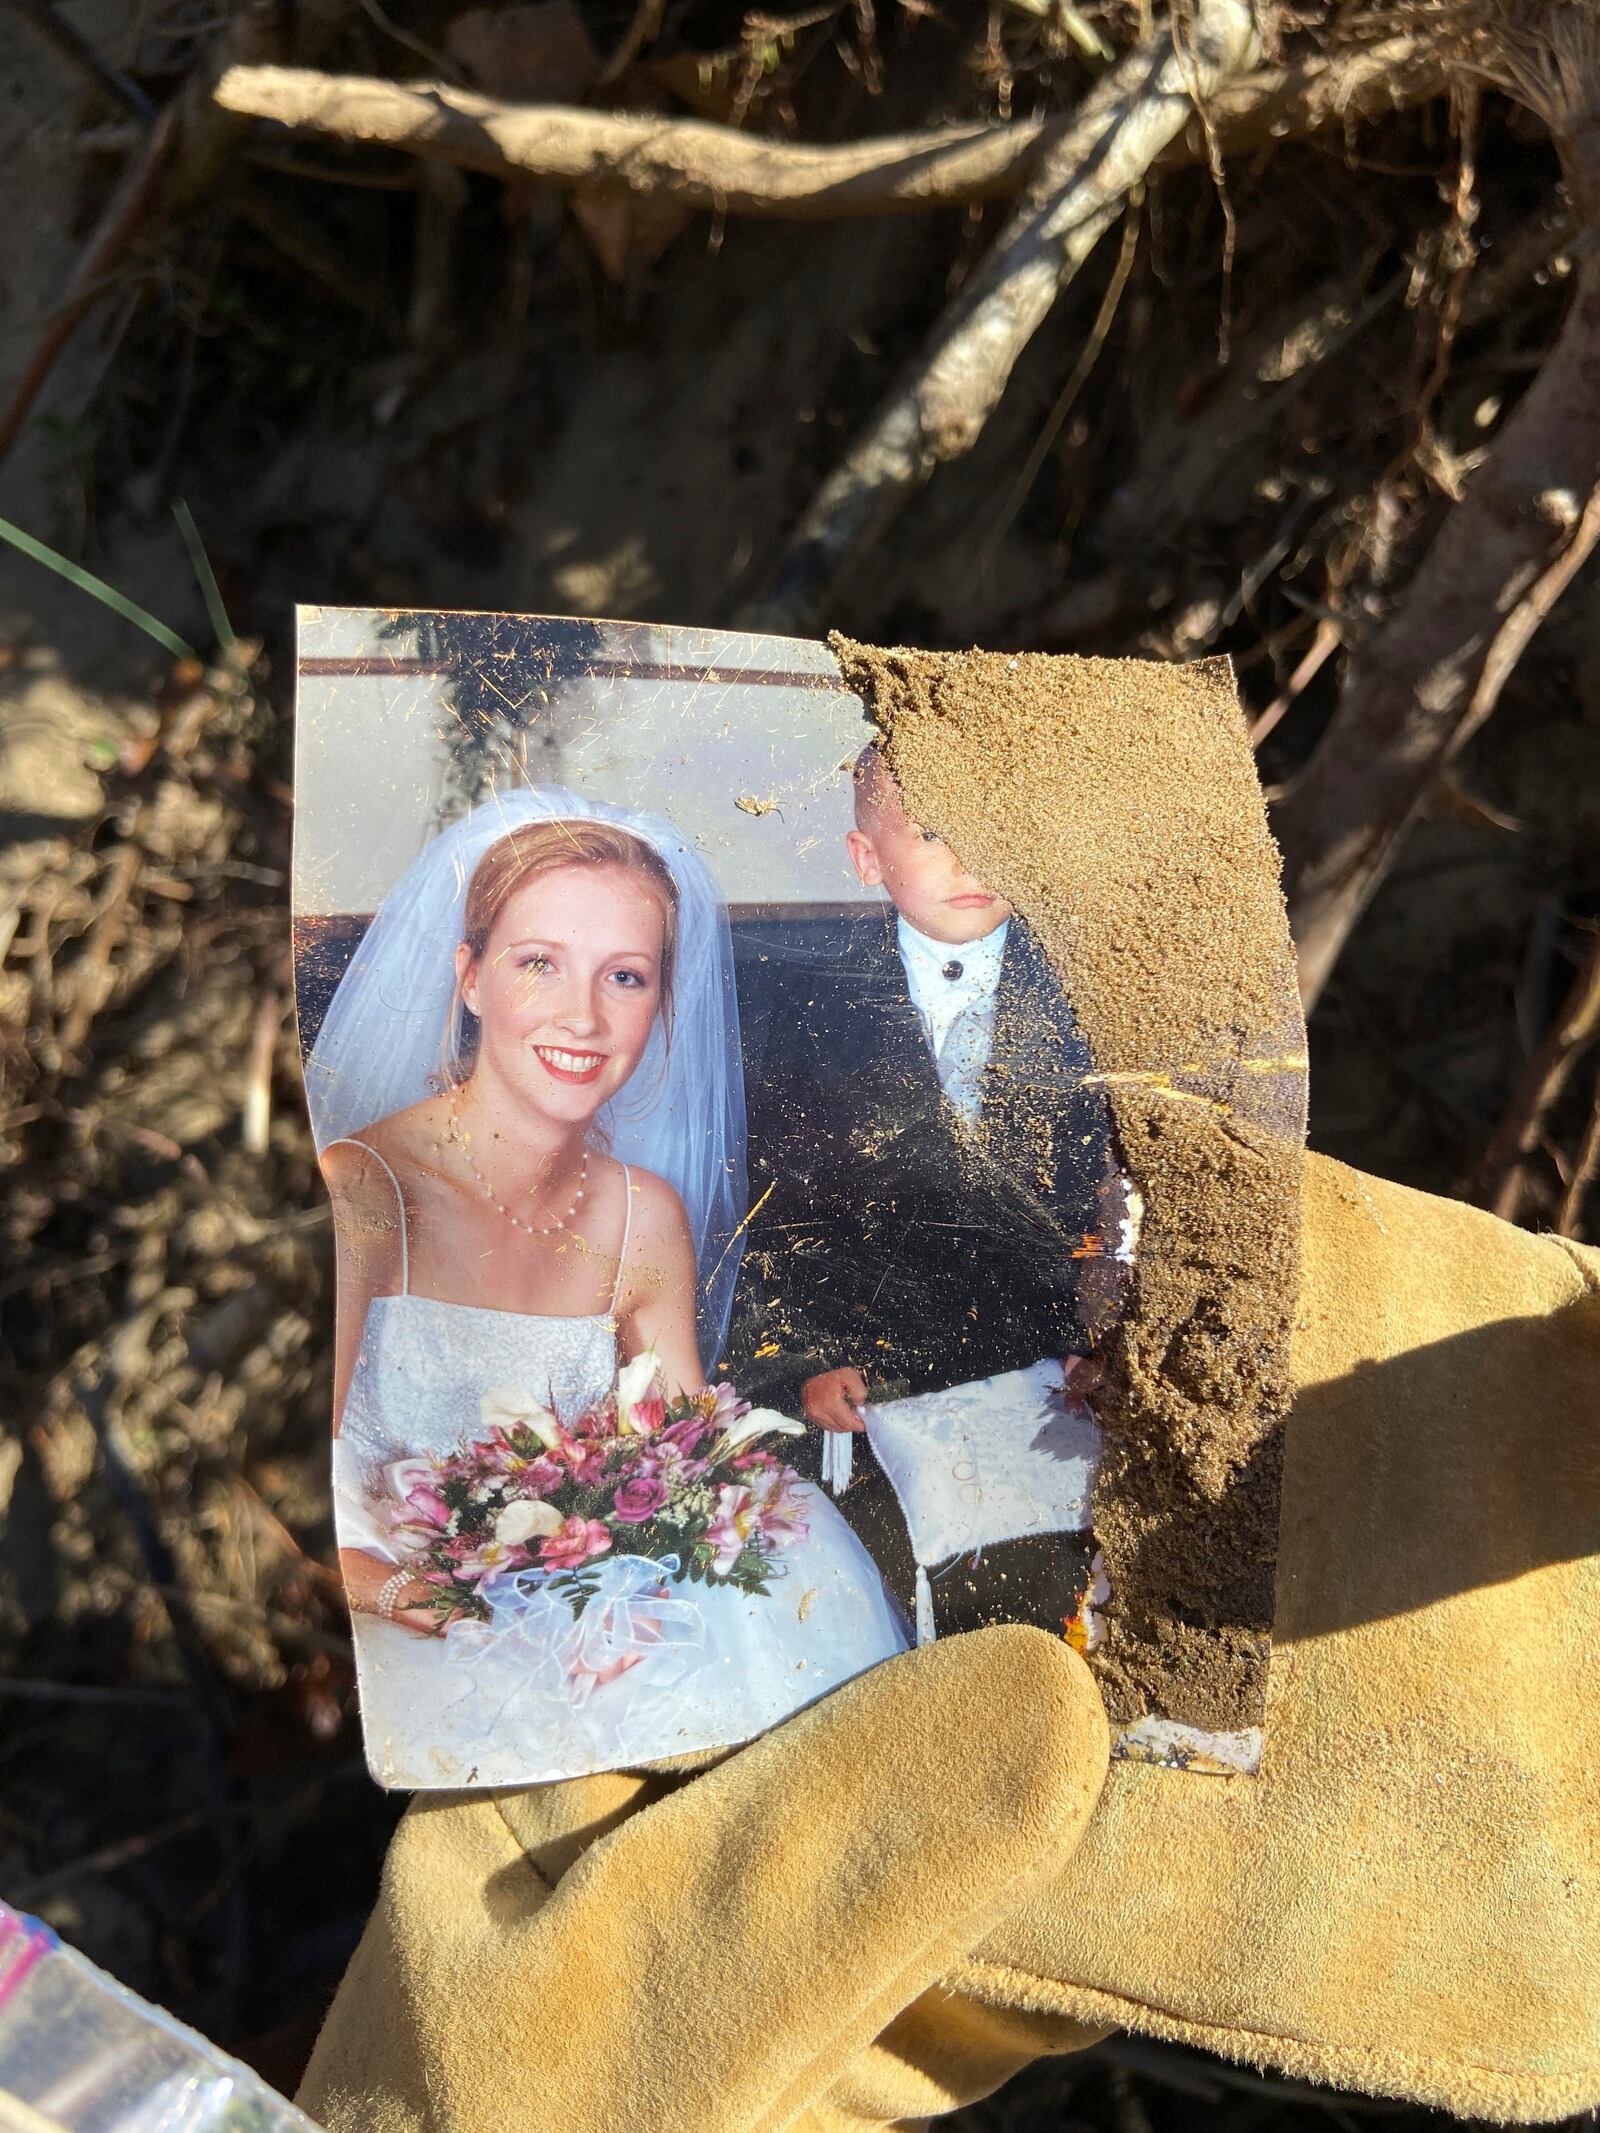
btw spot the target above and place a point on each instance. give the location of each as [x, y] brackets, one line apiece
[529, 1106]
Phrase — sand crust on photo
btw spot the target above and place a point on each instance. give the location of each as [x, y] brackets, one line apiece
[1114, 803]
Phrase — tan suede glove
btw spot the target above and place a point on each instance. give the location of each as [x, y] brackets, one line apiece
[888, 1905]
[619, 1952]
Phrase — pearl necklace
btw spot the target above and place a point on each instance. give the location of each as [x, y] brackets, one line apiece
[530, 1229]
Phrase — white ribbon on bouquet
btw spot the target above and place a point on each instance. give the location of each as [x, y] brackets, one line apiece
[630, 1624]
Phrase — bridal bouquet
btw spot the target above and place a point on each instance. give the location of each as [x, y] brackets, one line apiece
[680, 1481]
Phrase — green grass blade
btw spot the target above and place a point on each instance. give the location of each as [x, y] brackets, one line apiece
[98, 589]
[221, 627]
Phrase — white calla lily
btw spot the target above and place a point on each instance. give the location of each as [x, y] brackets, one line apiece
[761, 1422]
[523, 1518]
[635, 1382]
[509, 1407]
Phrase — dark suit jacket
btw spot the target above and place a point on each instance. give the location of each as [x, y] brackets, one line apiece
[885, 1234]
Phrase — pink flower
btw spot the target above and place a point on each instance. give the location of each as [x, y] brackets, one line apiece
[415, 1516]
[579, 1541]
[783, 1517]
[580, 1459]
[428, 1504]
[497, 1452]
[640, 1498]
[732, 1523]
[486, 1560]
[543, 1475]
[401, 1476]
[646, 1416]
[588, 1470]
[667, 1461]
[728, 1406]
[638, 1385]
[686, 1435]
[779, 1510]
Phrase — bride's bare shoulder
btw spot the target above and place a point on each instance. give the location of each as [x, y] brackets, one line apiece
[365, 1164]
[658, 1212]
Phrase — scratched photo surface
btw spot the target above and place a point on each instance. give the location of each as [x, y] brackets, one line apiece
[725, 1199]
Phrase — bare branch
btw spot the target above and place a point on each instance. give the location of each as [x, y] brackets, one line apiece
[690, 160]
[938, 409]
[729, 172]
[1421, 685]
[1575, 1028]
[183, 154]
[1585, 1170]
[69, 43]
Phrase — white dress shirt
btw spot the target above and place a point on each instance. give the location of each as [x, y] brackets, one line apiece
[948, 983]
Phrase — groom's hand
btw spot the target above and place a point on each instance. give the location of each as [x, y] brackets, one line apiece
[833, 1399]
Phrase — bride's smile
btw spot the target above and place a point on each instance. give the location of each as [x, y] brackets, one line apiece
[571, 1066]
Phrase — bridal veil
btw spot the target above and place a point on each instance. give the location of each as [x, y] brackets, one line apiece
[682, 1115]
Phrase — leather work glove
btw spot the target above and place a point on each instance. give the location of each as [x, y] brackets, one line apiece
[887, 1906]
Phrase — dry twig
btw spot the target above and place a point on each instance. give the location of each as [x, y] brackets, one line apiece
[181, 157]
[1585, 1169]
[1077, 378]
[719, 168]
[939, 408]
[69, 43]
[1323, 645]
[256, 1123]
[1421, 685]
[1575, 1028]
[692, 161]
[1179, 461]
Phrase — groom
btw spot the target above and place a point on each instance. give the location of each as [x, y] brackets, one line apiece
[928, 1170]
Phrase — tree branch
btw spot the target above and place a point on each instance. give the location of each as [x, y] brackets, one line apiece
[181, 156]
[720, 168]
[69, 43]
[1568, 1037]
[1421, 685]
[939, 407]
[1418, 689]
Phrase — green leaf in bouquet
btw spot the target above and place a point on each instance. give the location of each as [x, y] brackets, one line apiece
[577, 1588]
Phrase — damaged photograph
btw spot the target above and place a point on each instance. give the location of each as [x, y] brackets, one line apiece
[728, 1205]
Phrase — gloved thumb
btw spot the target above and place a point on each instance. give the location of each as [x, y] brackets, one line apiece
[711, 1961]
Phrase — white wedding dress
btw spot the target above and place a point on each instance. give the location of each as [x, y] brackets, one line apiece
[503, 1702]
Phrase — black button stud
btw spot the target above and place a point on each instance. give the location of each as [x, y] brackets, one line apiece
[951, 970]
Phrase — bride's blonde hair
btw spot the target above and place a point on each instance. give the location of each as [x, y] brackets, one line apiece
[521, 856]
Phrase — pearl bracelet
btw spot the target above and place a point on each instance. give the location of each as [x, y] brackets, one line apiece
[389, 1593]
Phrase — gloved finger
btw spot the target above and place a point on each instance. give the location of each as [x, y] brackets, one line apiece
[711, 1962]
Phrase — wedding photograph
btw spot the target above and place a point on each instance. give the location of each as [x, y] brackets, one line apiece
[726, 1209]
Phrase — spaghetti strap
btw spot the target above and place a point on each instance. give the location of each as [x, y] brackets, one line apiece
[627, 1232]
[349, 1140]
